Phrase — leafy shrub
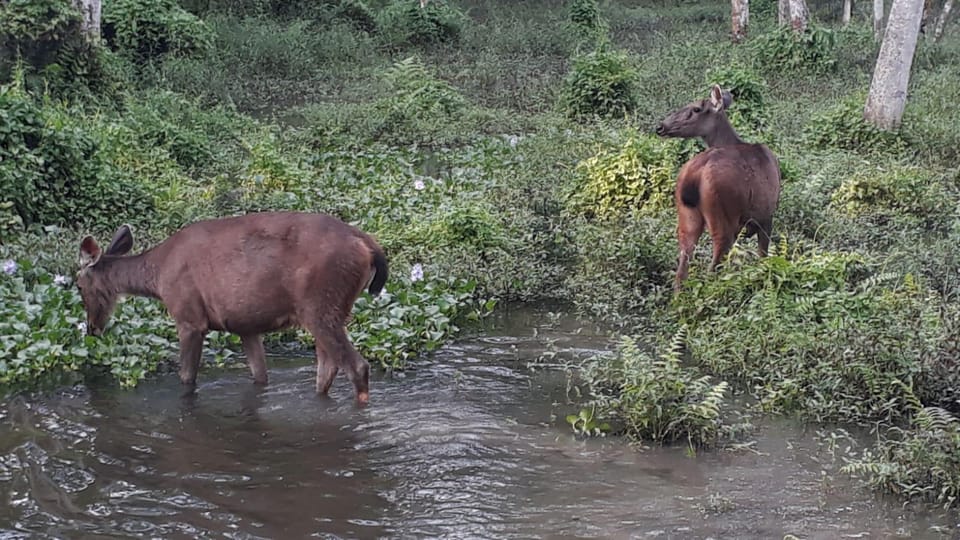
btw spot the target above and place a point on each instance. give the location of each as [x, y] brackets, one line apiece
[585, 19]
[472, 226]
[52, 169]
[418, 100]
[147, 29]
[655, 399]
[639, 176]
[843, 126]
[585, 14]
[898, 190]
[919, 462]
[828, 343]
[747, 88]
[416, 318]
[813, 51]
[404, 22]
[42, 337]
[618, 270]
[47, 36]
[602, 82]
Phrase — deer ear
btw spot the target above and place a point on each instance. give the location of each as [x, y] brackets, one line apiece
[716, 98]
[89, 252]
[122, 241]
[727, 99]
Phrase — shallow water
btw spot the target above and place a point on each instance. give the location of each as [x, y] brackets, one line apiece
[471, 444]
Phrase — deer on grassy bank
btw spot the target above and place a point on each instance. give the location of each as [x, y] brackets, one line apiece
[248, 275]
[730, 185]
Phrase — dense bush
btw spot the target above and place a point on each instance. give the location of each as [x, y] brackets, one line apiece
[404, 22]
[651, 399]
[782, 50]
[829, 343]
[52, 169]
[147, 29]
[921, 461]
[46, 36]
[842, 126]
[601, 82]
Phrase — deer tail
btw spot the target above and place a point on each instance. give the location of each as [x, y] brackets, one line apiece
[379, 266]
[690, 194]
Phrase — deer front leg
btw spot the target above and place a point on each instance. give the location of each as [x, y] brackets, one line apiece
[191, 345]
[253, 349]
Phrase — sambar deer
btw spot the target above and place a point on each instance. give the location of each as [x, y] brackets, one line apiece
[247, 275]
[730, 185]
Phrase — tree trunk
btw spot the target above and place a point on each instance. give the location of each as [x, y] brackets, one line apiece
[927, 8]
[90, 11]
[783, 12]
[799, 15]
[888, 89]
[877, 19]
[847, 11]
[942, 19]
[740, 14]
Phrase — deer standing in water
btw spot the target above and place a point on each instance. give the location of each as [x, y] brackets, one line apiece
[248, 275]
[730, 185]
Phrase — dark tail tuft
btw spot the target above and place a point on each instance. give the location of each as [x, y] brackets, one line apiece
[690, 194]
[380, 265]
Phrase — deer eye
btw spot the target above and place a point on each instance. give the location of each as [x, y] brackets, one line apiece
[697, 109]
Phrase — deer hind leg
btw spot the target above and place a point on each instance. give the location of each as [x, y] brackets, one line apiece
[253, 349]
[764, 233]
[326, 363]
[723, 232]
[191, 345]
[690, 225]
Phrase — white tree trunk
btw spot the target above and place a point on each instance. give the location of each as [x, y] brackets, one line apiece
[90, 10]
[888, 89]
[798, 15]
[783, 12]
[740, 15]
[942, 19]
[847, 11]
[877, 19]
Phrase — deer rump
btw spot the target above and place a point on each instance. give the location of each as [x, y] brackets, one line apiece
[248, 275]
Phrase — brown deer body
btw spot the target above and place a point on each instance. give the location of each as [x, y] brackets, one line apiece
[730, 185]
[248, 275]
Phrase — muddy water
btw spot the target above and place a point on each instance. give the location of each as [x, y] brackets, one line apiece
[470, 445]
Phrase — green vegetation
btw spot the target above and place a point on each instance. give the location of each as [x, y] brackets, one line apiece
[504, 152]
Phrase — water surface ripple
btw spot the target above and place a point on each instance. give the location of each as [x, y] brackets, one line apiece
[471, 444]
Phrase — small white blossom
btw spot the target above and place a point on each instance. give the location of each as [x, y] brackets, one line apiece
[82, 327]
[419, 185]
[513, 141]
[9, 267]
[60, 280]
[416, 273]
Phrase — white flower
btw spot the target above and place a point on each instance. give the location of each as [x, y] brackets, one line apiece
[9, 267]
[416, 273]
[82, 327]
[419, 185]
[513, 141]
[60, 280]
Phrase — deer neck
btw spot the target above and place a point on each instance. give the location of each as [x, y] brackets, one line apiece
[135, 275]
[722, 135]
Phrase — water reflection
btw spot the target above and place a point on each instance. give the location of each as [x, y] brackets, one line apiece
[462, 447]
